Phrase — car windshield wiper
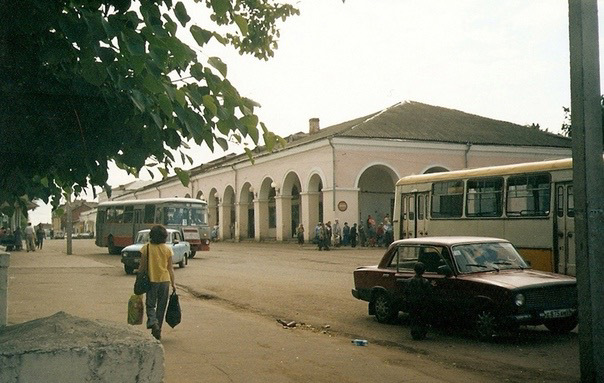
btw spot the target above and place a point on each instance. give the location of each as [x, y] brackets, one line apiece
[477, 265]
[502, 263]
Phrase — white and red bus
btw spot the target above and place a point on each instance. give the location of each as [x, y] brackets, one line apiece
[118, 222]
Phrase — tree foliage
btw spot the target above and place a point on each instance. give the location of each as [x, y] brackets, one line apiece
[567, 129]
[84, 82]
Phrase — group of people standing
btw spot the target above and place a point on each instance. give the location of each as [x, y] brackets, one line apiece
[34, 237]
[327, 234]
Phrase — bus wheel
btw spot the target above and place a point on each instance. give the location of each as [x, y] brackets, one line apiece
[192, 254]
[184, 261]
[129, 269]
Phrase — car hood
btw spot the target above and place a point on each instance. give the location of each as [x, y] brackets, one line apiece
[513, 279]
[134, 247]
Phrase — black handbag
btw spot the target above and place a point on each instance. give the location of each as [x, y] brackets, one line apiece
[142, 283]
[173, 314]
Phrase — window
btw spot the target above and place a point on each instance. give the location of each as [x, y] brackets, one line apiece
[484, 197]
[118, 214]
[560, 202]
[149, 213]
[570, 202]
[101, 216]
[407, 257]
[128, 212]
[528, 195]
[420, 207]
[447, 199]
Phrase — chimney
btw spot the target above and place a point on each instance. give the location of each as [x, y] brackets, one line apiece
[313, 126]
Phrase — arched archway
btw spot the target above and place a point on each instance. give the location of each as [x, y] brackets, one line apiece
[376, 192]
[227, 224]
[245, 213]
[315, 199]
[266, 223]
[291, 208]
[213, 201]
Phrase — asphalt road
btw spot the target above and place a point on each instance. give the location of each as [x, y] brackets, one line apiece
[233, 295]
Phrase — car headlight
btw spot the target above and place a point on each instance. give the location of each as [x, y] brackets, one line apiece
[519, 299]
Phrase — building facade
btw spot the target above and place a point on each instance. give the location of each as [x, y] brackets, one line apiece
[348, 171]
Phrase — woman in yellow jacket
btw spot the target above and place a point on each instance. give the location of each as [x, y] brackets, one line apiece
[156, 259]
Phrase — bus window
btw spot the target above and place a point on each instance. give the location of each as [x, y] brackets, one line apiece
[149, 213]
[420, 207]
[197, 217]
[101, 216]
[111, 215]
[411, 208]
[128, 213]
[447, 199]
[118, 214]
[570, 202]
[484, 197]
[560, 202]
[528, 195]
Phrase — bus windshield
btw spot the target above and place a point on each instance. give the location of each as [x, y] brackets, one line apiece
[477, 257]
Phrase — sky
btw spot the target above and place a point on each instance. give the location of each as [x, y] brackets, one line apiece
[506, 60]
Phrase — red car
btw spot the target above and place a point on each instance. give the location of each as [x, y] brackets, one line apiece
[476, 281]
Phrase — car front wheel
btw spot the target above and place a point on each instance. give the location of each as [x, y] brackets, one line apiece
[561, 326]
[384, 310]
[486, 325]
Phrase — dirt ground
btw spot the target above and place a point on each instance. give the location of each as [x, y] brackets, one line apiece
[232, 296]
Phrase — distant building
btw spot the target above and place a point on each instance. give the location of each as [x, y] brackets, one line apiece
[348, 171]
[78, 216]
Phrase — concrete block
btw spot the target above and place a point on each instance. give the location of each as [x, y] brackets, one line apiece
[64, 348]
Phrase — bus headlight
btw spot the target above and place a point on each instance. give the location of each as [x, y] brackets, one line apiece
[519, 300]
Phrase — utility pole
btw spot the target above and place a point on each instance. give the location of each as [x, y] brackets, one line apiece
[588, 183]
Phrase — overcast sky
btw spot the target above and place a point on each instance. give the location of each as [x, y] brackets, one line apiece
[507, 60]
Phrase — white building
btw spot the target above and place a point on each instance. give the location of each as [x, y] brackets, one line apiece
[348, 171]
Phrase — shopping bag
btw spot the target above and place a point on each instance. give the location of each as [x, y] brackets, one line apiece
[173, 312]
[135, 309]
[142, 283]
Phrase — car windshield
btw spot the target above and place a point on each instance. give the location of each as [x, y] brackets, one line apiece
[477, 257]
[142, 237]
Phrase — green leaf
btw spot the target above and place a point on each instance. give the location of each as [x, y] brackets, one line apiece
[94, 72]
[253, 132]
[138, 99]
[181, 13]
[224, 144]
[217, 63]
[200, 35]
[165, 104]
[44, 182]
[242, 24]
[224, 127]
[249, 121]
[208, 102]
[221, 6]
[250, 155]
[153, 84]
[134, 42]
[197, 71]
[183, 176]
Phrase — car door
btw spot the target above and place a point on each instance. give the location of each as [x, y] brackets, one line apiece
[178, 247]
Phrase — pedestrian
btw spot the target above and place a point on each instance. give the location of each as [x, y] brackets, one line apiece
[29, 238]
[323, 237]
[337, 233]
[346, 234]
[156, 260]
[316, 239]
[18, 240]
[353, 235]
[419, 295]
[329, 233]
[362, 236]
[40, 234]
[300, 234]
[371, 231]
[52, 234]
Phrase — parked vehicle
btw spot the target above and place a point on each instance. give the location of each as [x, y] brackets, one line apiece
[479, 282]
[131, 255]
[59, 234]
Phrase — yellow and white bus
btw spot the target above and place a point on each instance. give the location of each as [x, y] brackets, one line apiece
[529, 204]
[118, 222]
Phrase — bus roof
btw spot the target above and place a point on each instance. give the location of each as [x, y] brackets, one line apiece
[151, 201]
[528, 167]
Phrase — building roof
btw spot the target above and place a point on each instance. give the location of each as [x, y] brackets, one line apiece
[414, 121]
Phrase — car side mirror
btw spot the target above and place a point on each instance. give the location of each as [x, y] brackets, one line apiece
[445, 270]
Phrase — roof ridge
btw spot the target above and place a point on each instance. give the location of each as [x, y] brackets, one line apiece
[371, 117]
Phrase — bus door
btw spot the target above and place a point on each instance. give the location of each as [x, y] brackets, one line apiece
[565, 228]
[414, 220]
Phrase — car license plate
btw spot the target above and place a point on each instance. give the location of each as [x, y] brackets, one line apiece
[561, 313]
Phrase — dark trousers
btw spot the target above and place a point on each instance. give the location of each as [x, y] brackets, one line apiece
[156, 302]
